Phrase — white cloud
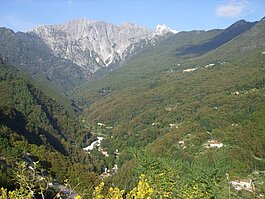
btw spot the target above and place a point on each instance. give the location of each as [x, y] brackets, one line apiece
[231, 8]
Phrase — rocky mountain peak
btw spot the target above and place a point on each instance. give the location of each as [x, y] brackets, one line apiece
[163, 29]
[96, 44]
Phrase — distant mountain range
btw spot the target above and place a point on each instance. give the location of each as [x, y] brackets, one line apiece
[70, 53]
[67, 55]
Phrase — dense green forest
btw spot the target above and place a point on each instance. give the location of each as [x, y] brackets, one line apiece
[35, 128]
[183, 119]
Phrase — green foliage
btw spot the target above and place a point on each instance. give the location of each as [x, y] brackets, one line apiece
[163, 174]
[203, 178]
[207, 177]
[33, 125]
[31, 113]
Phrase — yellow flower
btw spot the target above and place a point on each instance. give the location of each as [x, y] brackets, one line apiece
[78, 197]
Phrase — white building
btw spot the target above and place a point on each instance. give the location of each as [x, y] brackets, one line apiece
[168, 109]
[181, 142]
[243, 184]
[105, 153]
[101, 124]
[209, 65]
[213, 144]
[174, 126]
[189, 70]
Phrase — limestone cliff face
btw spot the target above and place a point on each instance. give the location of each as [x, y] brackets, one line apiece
[96, 44]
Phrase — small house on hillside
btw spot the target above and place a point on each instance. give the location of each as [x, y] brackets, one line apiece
[101, 124]
[105, 153]
[213, 144]
[181, 142]
[243, 184]
[236, 93]
[209, 65]
[169, 109]
[189, 70]
[173, 126]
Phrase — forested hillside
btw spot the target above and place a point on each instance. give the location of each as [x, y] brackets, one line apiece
[35, 128]
[175, 106]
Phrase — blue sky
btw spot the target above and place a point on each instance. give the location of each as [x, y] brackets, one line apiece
[23, 15]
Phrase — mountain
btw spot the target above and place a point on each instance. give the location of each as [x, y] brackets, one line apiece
[163, 29]
[69, 54]
[96, 44]
[30, 54]
[145, 64]
[228, 34]
[250, 41]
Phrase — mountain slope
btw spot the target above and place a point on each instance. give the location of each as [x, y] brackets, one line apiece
[158, 100]
[252, 40]
[28, 53]
[36, 128]
[225, 36]
[145, 64]
[31, 114]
